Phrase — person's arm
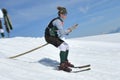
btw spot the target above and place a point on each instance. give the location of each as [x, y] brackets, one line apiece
[59, 25]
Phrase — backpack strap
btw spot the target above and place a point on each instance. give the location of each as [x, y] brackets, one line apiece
[51, 30]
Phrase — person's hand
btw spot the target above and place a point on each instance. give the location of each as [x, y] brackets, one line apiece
[69, 30]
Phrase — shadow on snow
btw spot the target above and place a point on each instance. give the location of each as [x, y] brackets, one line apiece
[49, 62]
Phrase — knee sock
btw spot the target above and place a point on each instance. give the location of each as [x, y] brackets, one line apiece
[62, 56]
[66, 55]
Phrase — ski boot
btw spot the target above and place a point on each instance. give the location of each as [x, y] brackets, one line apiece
[69, 64]
[64, 67]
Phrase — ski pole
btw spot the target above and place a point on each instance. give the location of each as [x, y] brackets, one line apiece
[28, 51]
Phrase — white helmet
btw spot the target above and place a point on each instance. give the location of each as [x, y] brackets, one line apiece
[1, 14]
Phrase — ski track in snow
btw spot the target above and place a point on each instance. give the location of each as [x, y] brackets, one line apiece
[102, 52]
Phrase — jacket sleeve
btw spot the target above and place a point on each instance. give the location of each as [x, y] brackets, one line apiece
[59, 25]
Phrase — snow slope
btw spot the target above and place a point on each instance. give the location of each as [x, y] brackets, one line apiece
[102, 52]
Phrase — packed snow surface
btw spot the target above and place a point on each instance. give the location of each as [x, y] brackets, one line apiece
[102, 52]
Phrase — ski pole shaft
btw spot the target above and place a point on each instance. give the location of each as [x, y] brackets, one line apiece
[28, 51]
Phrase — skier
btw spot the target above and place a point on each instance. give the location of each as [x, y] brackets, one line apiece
[53, 33]
[1, 28]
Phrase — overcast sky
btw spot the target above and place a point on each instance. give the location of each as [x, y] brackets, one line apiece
[30, 17]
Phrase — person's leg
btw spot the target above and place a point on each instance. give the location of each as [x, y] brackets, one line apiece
[63, 54]
[1, 29]
[2, 34]
[66, 56]
[67, 51]
[59, 44]
[63, 58]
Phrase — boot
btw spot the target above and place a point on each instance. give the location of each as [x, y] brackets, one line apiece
[66, 60]
[64, 67]
[2, 34]
[69, 64]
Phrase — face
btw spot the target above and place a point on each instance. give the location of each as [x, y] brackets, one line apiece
[63, 16]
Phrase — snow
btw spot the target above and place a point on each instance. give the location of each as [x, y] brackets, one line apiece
[101, 51]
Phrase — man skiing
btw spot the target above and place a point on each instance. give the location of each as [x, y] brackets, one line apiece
[1, 28]
[53, 34]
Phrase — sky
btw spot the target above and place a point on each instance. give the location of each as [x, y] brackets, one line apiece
[31, 17]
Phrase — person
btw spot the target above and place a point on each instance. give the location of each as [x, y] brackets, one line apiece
[53, 33]
[1, 28]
